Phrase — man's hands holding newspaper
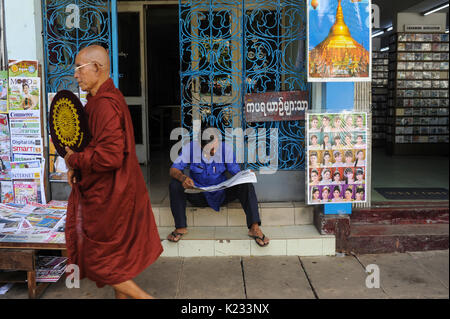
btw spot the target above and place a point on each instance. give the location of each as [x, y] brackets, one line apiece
[188, 183]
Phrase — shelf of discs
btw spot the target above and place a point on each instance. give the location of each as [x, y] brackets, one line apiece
[418, 107]
[380, 65]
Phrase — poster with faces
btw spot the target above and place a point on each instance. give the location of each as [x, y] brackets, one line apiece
[336, 157]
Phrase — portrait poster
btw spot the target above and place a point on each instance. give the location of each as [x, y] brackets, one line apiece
[339, 42]
[336, 157]
[3, 91]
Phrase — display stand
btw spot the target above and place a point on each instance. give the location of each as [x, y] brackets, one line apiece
[379, 82]
[418, 104]
[19, 257]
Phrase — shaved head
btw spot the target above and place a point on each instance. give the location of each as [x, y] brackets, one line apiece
[92, 68]
[96, 53]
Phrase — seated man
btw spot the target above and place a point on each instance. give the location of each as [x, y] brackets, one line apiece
[207, 171]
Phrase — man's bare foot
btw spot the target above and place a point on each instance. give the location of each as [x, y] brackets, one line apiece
[256, 233]
[176, 235]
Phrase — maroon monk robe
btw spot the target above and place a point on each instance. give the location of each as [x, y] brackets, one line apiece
[111, 232]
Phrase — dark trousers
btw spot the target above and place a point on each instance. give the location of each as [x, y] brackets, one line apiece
[244, 192]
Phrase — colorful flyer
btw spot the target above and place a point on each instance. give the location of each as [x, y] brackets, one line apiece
[336, 157]
[339, 40]
[3, 91]
[23, 68]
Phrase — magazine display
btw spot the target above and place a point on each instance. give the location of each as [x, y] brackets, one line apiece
[33, 223]
[21, 136]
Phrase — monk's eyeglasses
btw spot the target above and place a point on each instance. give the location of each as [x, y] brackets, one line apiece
[83, 65]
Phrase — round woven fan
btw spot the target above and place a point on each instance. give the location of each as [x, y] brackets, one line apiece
[68, 123]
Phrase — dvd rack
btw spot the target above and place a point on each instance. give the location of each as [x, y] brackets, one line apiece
[418, 105]
[380, 64]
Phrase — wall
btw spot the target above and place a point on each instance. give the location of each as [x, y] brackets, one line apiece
[23, 29]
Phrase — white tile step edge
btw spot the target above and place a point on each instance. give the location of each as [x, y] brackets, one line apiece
[297, 240]
[271, 214]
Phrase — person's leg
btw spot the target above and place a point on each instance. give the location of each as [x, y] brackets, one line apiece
[247, 196]
[130, 289]
[119, 295]
[178, 208]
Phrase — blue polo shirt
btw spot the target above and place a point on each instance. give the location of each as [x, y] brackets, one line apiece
[206, 171]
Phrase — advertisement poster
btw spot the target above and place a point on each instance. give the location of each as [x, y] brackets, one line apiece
[336, 157]
[23, 68]
[3, 91]
[339, 40]
[24, 94]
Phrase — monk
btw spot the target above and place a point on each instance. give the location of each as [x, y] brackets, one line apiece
[111, 232]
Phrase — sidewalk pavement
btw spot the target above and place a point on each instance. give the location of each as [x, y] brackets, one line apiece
[402, 275]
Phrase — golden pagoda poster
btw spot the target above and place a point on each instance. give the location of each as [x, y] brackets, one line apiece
[339, 40]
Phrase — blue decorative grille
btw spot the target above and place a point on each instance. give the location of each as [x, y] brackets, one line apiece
[63, 40]
[230, 48]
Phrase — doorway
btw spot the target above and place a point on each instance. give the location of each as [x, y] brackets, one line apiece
[163, 66]
[132, 75]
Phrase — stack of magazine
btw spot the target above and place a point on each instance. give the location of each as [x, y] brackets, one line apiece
[50, 268]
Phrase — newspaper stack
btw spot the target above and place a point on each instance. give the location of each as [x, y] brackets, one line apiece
[33, 223]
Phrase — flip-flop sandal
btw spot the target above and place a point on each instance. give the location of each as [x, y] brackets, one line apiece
[175, 235]
[260, 238]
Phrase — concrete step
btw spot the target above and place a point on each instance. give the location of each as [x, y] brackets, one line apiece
[272, 214]
[408, 213]
[294, 240]
[376, 239]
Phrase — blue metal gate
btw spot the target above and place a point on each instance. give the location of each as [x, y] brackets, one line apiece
[70, 25]
[231, 48]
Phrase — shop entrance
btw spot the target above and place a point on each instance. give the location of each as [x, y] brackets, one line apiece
[199, 61]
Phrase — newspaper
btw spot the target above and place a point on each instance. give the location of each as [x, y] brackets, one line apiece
[242, 177]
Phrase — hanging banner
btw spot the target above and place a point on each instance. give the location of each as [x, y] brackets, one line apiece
[336, 157]
[339, 40]
[275, 106]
